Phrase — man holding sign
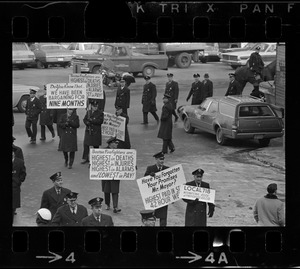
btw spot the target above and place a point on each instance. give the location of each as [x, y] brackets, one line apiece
[195, 214]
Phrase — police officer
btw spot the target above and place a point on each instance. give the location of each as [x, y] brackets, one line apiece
[207, 86]
[70, 214]
[97, 218]
[256, 63]
[196, 91]
[92, 135]
[148, 218]
[172, 90]
[45, 118]
[148, 100]
[123, 96]
[18, 151]
[32, 111]
[234, 87]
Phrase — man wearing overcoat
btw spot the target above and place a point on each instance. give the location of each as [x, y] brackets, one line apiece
[234, 87]
[207, 86]
[197, 91]
[172, 90]
[256, 63]
[45, 118]
[123, 97]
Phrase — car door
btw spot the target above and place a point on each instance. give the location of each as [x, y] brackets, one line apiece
[196, 116]
[208, 116]
[121, 59]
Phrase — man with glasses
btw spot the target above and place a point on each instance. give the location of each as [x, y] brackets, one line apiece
[97, 218]
[148, 218]
[70, 214]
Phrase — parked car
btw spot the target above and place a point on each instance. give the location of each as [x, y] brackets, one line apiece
[51, 54]
[22, 56]
[84, 48]
[20, 96]
[234, 117]
[247, 46]
[240, 58]
[210, 54]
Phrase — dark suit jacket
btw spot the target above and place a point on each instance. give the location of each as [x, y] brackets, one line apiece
[163, 211]
[195, 214]
[64, 216]
[90, 220]
[123, 98]
[234, 88]
[52, 201]
[173, 90]
[166, 124]
[33, 108]
[148, 97]
[207, 88]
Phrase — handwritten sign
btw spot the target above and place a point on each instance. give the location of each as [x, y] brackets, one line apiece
[163, 189]
[118, 164]
[94, 84]
[193, 192]
[66, 95]
[113, 126]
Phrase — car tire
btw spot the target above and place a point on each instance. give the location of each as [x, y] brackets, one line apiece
[22, 103]
[221, 140]
[135, 74]
[187, 126]
[39, 65]
[96, 69]
[148, 71]
[204, 60]
[264, 142]
[46, 65]
[183, 60]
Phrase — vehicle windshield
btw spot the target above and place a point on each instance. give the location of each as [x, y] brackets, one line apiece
[249, 46]
[91, 46]
[263, 46]
[19, 46]
[52, 47]
[105, 50]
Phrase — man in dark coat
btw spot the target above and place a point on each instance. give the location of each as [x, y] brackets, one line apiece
[195, 214]
[207, 86]
[92, 136]
[70, 214]
[196, 91]
[53, 198]
[56, 114]
[124, 144]
[256, 63]
[148, 100]
[18, 151]
[123, 97]
[172, 90]
[18, 177]
[161, 213]
[166, 125]
[97, 218]
[45, 118]
[69, 123]
[32, 110]
[234, 87]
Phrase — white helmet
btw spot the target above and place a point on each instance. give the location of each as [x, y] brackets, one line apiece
[44, 213]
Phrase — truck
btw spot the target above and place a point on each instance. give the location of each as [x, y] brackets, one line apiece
[121, 58]
[179, 54]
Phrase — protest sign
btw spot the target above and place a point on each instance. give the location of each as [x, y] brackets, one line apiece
[94, 84]
[118, 164]
[193, 192]
[113, 126]
[66, 95]
[163, 189]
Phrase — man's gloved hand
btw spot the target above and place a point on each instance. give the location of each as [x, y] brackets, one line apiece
[210, 213]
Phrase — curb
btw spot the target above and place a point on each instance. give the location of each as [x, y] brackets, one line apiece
[253, 156]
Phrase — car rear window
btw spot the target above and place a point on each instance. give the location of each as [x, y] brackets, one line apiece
[19, 46]
[91, 46]
[255, 111]
[227, 109]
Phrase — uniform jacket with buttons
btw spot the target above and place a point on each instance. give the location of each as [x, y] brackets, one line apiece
[65, 217]
[18, 177]
[93, 121]
[45, 115]
[148, 98]
[105, 220]
[33, 108]
[172, 89]
[123, 98]
[197, 92]
[234, 88]
[207, 88]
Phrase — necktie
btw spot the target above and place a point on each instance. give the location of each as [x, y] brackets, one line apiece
[98, 219]
[73, 211]
[58, 191]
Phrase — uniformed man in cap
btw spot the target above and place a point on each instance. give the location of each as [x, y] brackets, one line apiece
[166, 125]
[269, 210]
[207, 86]
[70, 214]
[234, 87]
[149, 100]
[97, 218]
[196, 211]
[123, 97]
[53, 198]
[161, 213]
[196, 91]
[32, 110]
[148, 218]
[18, 151]
[45, 118]
[43, 217]
[92, 136]
[256, 63]
[172, 90]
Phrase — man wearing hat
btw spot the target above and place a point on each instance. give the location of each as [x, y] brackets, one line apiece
[149, 100]
[45, 118]
[166, 125]
[18, 151]
[196, 211]
[172, 90]
[70, 214]
[92, 136]
[148, 218]
[207, 86]
[53, 198]
[97, 218]
[123, 96]
[18, 177]
[256, 63]
[196, 91]
[234, 87]
[43, 217]
[32, 110]
[162, 212]
[269, 210]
